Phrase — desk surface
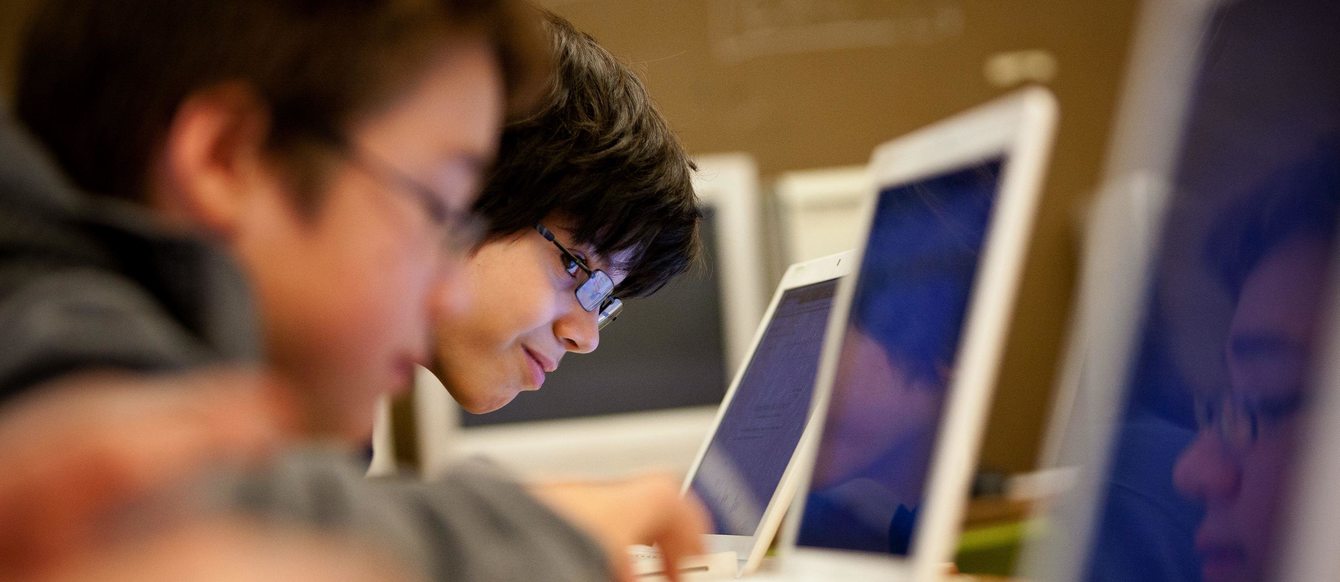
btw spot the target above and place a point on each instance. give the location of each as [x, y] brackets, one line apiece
[811, 565]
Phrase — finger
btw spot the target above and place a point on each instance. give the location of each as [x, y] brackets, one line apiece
[621, 565]
[683, 534]
[673, 523]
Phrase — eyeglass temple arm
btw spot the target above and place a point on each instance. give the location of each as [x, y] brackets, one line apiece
[549, 236]
[546, 233]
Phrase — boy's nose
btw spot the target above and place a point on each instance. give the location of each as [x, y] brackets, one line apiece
[1206, 470]
[576, 328]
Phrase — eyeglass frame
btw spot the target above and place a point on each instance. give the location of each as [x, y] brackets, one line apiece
[459, 230]
[1253, 414]
[609, 306]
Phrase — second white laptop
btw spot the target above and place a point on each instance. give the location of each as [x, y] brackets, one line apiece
[746, 471]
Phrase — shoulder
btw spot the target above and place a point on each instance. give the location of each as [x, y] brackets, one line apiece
[74, 319]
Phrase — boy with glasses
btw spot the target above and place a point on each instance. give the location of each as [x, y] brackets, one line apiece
[591, 203]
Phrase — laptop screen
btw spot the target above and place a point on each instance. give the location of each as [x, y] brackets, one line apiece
[762, 425]
[897, 357]
[1219, 387]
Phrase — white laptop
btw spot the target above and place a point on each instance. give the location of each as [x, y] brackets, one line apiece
[745, 473]
[914, 344]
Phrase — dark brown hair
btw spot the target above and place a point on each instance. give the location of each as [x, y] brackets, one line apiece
[599, 154]
[1300, 199]
[100, 80]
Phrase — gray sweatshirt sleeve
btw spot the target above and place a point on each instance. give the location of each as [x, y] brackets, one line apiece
[473, 523]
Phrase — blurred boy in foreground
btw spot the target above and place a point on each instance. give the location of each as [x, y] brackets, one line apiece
[319, 156]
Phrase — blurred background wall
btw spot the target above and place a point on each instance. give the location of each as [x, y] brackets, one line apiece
[13, 13]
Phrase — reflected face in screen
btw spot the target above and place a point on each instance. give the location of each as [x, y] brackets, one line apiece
[871, 382]
[892, 376]
[1238, 465]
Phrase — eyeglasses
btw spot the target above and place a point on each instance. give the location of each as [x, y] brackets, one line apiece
[1240, 422]
[459, 231]
[593, 294]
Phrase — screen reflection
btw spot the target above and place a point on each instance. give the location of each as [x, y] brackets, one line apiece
[894, 371]
[1219, 389]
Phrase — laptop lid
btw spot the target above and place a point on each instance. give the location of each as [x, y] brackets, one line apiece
[1190, 384]
[916, 334]
[745, 472]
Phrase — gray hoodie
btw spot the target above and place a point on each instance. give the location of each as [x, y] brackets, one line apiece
[90, 283]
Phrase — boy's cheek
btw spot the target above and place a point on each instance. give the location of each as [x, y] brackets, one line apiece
[451, 298]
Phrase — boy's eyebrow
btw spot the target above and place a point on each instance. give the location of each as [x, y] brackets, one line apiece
[593, 259]
[596, 260]
[617, 271]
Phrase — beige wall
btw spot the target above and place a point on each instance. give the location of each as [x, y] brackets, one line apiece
[814, 83]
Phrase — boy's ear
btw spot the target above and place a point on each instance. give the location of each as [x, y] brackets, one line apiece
[211, 161]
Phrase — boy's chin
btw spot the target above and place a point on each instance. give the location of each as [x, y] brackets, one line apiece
[486, 402]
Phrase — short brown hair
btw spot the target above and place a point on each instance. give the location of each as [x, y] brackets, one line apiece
[100, 80]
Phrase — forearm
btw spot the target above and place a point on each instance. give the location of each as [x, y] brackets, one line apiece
[472, 524]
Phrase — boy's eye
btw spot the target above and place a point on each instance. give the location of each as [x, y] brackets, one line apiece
[570, 265]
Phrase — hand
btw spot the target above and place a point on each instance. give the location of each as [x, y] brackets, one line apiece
[642, 510]
[81, 448]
